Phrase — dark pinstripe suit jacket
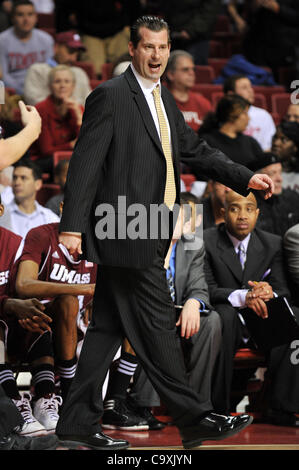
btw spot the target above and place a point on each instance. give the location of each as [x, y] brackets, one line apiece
[118, 153]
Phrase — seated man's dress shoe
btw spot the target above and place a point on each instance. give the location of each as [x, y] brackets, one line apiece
[98, 441]
[213, 427]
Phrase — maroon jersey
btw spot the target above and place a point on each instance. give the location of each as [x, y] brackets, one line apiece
[10, 250]
[55, 263]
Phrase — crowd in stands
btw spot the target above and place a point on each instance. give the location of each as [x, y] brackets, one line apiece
[52, 55]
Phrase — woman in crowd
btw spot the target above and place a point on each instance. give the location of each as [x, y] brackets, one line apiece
[61, 118]
[224, 129]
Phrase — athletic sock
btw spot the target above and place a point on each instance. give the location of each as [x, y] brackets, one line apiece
[66, 369]
[43, 380]
[8, 382]
[120, 379]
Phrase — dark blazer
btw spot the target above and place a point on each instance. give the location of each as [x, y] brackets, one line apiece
[223, 269]
[190, 281]
[119, 153]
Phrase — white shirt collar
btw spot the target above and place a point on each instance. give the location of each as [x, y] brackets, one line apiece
[14, 208]
[237, 242]
[147, 86]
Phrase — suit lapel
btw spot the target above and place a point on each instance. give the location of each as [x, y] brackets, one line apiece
[143, 108]
[228, 254]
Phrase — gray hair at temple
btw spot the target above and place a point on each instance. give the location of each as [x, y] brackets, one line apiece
[173, 58]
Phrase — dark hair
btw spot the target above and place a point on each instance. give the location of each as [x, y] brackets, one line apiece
[154, 23]
[230, 83]
[228, 109]
[19, 3]
[36, 172]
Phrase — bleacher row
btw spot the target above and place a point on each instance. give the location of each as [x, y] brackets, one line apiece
[225, 42]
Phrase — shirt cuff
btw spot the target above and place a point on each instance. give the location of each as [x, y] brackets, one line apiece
[202, 305]
[238, 298]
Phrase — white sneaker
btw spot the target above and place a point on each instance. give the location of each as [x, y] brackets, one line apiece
[31, 427]
[45, 410]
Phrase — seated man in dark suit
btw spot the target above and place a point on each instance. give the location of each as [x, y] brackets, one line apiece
[236, 255]
[199, 330]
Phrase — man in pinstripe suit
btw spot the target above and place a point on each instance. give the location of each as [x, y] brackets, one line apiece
[119, 152]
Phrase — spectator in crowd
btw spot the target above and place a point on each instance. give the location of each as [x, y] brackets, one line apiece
[22, 45]
[104, 28]
[213, 204]
[282, 211]
[273, 45]
[292, 114]
[224, 129]
[65, 284]
[198, 326]
[235, 9]
[237, 254]
[24, 211]
[191, 23]
[261, 125]
[66, 50]
[285, 145]
[61, 118]
[180, 74]
[24, 334]
[60, 173]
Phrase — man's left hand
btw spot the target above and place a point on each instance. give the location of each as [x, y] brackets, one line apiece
[263, 183]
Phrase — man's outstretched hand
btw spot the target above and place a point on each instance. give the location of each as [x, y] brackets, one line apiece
[262, 183]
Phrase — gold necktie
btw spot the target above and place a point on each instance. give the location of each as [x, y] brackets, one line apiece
[170, 189]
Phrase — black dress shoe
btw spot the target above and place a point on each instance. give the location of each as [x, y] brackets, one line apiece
[15, 441]
[98, 441]
[213, 427]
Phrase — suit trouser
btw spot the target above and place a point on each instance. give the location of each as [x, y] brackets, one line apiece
[132, 303]
[200, 354]
[10, 417]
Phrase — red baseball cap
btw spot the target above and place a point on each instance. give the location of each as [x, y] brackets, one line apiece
[70, 39]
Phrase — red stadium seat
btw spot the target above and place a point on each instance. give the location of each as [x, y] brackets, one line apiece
[216, 97]
[280, 103]
[217, 64]
[95, 83]
[188, 180]
[204, 74]
[46, 192]
[276, 118]
[268, 91]
[222, 24]
[216, 49]
[88, 67]
[260, 100]
[107, 71]
[46, 20]
[61, 155]
[206, 89]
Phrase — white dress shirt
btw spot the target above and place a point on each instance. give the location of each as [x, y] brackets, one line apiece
[238, 297]
[147, 87]
[20, 223]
